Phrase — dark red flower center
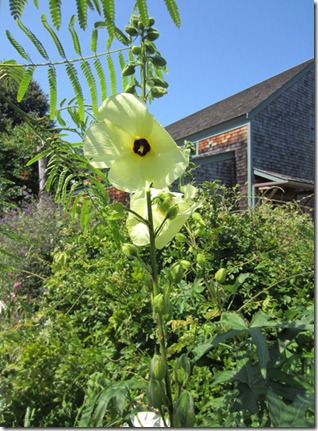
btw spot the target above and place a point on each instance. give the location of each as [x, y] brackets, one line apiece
[141, 147]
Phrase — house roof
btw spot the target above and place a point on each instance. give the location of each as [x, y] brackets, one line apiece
[234, 106]
[274, 178]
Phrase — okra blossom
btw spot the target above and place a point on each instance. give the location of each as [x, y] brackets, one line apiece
[169, 210]
[129, 141]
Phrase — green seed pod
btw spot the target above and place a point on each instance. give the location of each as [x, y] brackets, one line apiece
[184, 415]
[220, 275]
[136, 49]
[151, 21]
[132, 31]
[157, 92]
[158, 303]
[152, 34]
[155, 393]
[201, 259]
[150, 47]
[157, 60]
[130, 89]
[158, 368]
[182, 370]
[129, 69]
[172, 212]
[176, 272]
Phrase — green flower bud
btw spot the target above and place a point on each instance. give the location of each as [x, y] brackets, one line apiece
[136, 50]
[197, 217]
[201, 259]
[159, 61]
[182, 370]
[149, 46]
[158, 303]
[151, 21]
[220, 275]
[129, 69]
[176, 272]
[184, 415]
[158, 91]
[158, 367]
[155, 393]
[132, 31]
[152, 34]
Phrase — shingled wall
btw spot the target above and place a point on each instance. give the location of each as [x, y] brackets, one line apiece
[281, 132]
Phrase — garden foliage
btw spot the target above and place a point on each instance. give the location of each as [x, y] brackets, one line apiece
[81, 356]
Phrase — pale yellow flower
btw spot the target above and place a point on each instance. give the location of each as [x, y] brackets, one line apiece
[179, 205]
[137, 149]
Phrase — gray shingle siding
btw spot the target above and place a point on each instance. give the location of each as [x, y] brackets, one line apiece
[281, 131]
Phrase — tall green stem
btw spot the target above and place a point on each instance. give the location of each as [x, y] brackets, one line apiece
[159, 317]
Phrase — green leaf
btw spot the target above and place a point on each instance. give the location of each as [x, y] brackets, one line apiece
[101, 77]
[143, 10]
[234, 320]
[17, 7]
[173, 11]
[81, 6]
[261, 349]
[53, 90]
[18, 47]
[25, 83]
[118, 392]
[94, 39]
[55, 11]
[86, 68]
[73, 76]
[289, 415]
[109, 15]
[75, 38]
[39, 46]
[202, 349]
[54, 36]
[112, 74]
[259, 319]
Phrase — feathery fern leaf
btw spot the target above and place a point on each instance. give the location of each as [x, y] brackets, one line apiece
[87, 71]
[122, 37]
[94, 39]
[143, 10]
[39, 46]
[54, 36]
[27, 77]
[53, 90]
[81, 6]
[94, 4]
[73, 77]
[55, 12]
[18, 47]
[75, 38]
[112, 74]
[173, 11]
[109, 15]
[9, 72]
[16, 8]
[101, 77]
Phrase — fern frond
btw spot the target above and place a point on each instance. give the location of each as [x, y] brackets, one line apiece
[94, 39]
[75, 38]
[143, 11]
[16, 8]
[101, 77]
[112, 74]
[87, 71]
[122, 64]
[94, 3]
[54, 36]
[39, 46]
[73, 77]
[18, 47]
[122, 37]
[109, 15]
[173, 11]
[55, 12]
[53, 90]
[27, 77]
[9, 72]
[81, 6]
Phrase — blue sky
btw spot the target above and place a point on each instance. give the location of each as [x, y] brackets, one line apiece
[222, 47]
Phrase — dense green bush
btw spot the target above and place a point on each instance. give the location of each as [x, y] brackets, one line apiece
[249, 336]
